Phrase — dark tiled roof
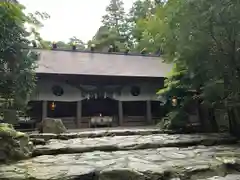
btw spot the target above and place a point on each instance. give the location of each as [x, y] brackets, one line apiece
[104, 64]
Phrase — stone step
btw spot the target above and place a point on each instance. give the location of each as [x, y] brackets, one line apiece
[91, 133]
[69, 124]
[227, 177]
[192, 163]
[117, 143]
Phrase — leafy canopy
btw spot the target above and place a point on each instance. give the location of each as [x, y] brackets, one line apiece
[17, 62]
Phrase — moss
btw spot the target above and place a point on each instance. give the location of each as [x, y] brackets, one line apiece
[20, 134]
[9, 131]
[14, 145]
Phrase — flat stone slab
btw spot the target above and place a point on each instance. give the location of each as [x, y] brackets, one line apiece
[98, 133]
[116, 143]
[193, 163]
[227, 177]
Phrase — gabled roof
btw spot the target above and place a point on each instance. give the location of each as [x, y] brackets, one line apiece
[102, 64]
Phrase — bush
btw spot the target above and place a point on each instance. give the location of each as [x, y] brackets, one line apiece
[174, 120]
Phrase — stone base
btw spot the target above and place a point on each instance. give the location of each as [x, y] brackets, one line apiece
[50, 125]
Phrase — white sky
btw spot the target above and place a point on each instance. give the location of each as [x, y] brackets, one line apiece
[80, 18]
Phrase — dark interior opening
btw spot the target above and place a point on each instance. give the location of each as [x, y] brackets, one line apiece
[134, 108]
[157, 110]
[95, 107]
[62, 109]
[35, 110]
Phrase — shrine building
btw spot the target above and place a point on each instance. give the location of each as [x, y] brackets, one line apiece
[81, 87]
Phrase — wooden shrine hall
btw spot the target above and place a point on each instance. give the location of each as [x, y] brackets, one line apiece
[90, 89]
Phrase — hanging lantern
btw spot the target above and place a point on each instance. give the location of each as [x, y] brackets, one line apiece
[174, 101]
[52, 106]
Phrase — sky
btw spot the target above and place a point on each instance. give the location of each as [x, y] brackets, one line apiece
[68, 18]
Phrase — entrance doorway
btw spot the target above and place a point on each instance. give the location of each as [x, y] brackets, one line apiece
[103, 106]
[62, 109]
[101, 112]
[35, 110]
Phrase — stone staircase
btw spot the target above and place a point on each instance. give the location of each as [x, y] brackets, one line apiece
[69, 122]
[132, 121]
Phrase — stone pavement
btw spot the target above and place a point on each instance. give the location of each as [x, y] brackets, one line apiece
[116, 143]
[98, 133]
[147, 156]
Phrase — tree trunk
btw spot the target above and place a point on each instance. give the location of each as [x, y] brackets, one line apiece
[233, 125]
[200, 117]
[212, 119]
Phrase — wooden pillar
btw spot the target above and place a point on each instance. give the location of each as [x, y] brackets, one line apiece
[79, 114]
[44, 109]
[120, 113]
[149, 112]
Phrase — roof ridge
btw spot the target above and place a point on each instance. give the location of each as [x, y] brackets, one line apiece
[99, 52]
[99, 64]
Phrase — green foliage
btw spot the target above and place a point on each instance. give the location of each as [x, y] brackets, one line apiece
[34, 20]
[106, 37]
[201, 38]
[114, 30]
[115, 17]
[80, 45]
[78, 42]
[7, 130]
[16, 63]
[174, 120]
[14, 145]
[139, 11]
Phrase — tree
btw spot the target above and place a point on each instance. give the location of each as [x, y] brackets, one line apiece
[140, 10]
[114, 28]
[79, 43]
[17, 62]
[106, 37]
[64, 45]
[202, 36]
[115, 17]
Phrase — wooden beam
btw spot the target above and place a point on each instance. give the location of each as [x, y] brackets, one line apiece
[79, 114]
[149, 112]
[44, 109]
[120, 113]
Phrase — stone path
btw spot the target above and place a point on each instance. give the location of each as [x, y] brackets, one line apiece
[154, 164]
[99, 133]
[150, 156]
[116, 143]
